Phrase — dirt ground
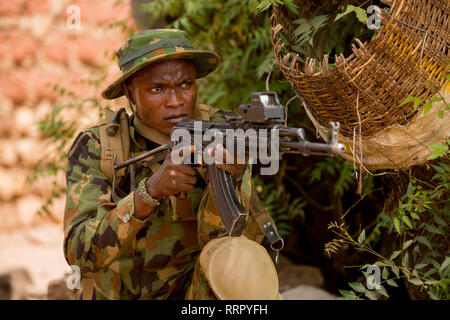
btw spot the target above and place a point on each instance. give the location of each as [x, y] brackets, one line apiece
[32, 258]
[39, 251]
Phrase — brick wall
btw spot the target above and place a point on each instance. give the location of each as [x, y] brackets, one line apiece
[38, 50]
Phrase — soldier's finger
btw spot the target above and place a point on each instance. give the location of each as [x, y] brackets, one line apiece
[183, 187]
[181, 196]
[185, 178]
[186, 169]
[182, 154]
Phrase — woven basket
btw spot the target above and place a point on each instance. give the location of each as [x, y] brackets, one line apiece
[365, 91]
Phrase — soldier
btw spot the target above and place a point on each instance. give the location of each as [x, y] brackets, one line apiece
[147, 244]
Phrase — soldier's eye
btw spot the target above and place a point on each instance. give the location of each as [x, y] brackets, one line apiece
[155, 90]
[186, 84]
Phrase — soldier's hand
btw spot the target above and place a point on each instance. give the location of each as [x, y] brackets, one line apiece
[234, 168]
[173, 178]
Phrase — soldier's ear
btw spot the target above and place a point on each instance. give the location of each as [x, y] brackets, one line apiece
[129, 92]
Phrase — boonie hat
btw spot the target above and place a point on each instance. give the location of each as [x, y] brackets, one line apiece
[237, 268]
[155, 45]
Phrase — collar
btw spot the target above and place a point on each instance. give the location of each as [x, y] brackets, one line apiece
[150, 133]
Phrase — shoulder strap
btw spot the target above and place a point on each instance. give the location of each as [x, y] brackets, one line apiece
[114, 140]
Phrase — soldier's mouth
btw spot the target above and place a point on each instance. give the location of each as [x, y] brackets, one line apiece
[176, 118]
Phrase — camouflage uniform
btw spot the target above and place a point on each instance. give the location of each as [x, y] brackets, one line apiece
[131, 258]
[126, 257]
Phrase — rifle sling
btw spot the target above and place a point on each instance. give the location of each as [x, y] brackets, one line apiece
[264, 220]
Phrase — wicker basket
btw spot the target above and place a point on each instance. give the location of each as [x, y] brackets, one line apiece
[365, 91]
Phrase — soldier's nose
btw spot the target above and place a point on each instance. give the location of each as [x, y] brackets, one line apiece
[173, 100]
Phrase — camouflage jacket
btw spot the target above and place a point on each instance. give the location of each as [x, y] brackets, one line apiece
[129, 258]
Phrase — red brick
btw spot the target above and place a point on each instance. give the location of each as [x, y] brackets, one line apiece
[38, 7]
[14, 86]
[113, 41]
[23, 46]
[2, 47]
[78, 85]
[90, 51]
[101, 12]
[11, 7]
[56, 48]
[43, 86]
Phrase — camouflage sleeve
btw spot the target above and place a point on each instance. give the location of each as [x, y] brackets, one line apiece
[95, 231]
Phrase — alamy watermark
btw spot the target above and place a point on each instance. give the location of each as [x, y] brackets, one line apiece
[255, 145]
[373, 279]
[73, 21]
[73, 281]
[374, 17]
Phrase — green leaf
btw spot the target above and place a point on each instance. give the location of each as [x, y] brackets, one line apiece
[440, 221]
[394, 255]
[408, 206]
[348, 294]
[416, 250]
[407, 100]
[407, 244]
[410, 190]
[424, 241]
[396, 271]
[441, 114]
[439, 151]
[405, 260]
[433, 294]
[392, 283]
[415, 216]
[383, 291]
[426, 108]
[406, 220]
[385, 273]
[370, 295]
[431, 282]
[362, 237]
[397, 225]
[415, 281]
[445, 264]
[431, 228]
[361, 14]
[435, 99]
[358, 287]
[420, 266]
[430, 272]
[292, 7]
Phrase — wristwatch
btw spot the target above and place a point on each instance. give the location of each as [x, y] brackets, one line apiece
[143, 194]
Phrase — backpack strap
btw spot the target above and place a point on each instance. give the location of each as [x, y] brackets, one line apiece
[114, 141]
[87, 288]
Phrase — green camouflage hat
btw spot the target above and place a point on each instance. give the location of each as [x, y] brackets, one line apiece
[155, 45]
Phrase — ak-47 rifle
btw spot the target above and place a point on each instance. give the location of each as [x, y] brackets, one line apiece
[264, 117]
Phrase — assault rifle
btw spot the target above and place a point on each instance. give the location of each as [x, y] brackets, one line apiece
[262, 122]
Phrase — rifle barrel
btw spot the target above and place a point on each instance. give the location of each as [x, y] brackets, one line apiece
[141, 157]
[311, 147]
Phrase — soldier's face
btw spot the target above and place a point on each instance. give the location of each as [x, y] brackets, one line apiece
[164, 93]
